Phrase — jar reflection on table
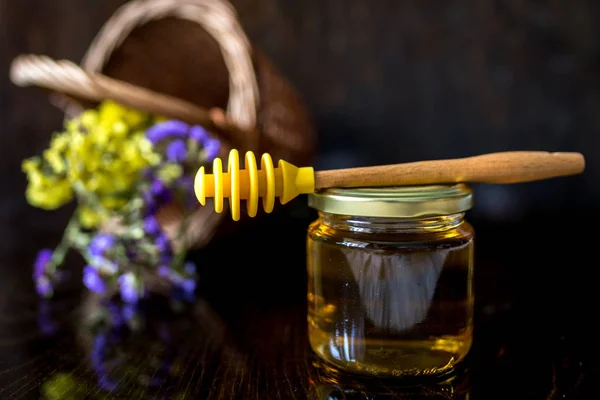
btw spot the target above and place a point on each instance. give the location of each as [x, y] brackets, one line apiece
[390, 280]
[340, 392]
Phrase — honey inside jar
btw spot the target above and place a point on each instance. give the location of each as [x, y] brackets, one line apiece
[392, 296]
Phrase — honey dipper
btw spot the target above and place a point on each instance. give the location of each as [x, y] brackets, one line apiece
[287, 181]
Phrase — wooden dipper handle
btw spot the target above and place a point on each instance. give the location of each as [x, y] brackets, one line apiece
[499, 168]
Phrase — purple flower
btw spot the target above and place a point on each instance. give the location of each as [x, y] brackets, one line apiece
[130, 290]
[151, 206]
[188, 286]
[115, 314]
[104, 264]
[163, 130]
[184, 289]
[176, 151]
[164, 271]
[198, 133]
[98, 350]
[166, 258]
[42, 261]
[43, 286]
[101, 243]
[189, 268]
[157, 195]
[47, 324]
[157, 187]
[129, 311]
[163, 245]
[151, 225]
[211, 148]
[99, 347]
[185, 183]
[147, 173]
[92, 280]
[131, 254]
[160, 192]
[107, 384]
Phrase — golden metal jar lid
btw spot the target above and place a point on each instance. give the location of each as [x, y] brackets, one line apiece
[394, 202]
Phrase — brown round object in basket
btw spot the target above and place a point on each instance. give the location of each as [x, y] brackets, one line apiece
[196, 54]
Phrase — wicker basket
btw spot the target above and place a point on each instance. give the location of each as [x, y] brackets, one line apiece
[184, 59]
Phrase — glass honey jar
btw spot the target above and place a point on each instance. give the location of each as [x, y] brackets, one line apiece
[390, 279]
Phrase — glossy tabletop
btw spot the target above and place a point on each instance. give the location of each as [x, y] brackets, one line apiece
[245, 336]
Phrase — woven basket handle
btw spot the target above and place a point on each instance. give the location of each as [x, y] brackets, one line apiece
[68, 78]
[217, 17]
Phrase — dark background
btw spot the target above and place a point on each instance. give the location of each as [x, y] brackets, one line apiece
[386, 82]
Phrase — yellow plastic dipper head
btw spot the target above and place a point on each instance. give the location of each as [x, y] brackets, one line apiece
[286, 182]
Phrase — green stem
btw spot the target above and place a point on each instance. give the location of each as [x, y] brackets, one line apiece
[66, 242]
[180, 258]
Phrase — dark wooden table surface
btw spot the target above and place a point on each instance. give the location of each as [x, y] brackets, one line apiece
[245, 337]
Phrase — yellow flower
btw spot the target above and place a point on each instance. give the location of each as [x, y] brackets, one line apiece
[102, 151]
[111, 154]
[120, 129]
[89, 119]
[55, 160]
[30, 165]
[49, 193]
[72, 124]
[111, 112]
[58, 385]
[97, 182]
[113, 203]
[130, 153]
[134, 118]
[60, 142]
[45, 191]
[90, 218]
[99, 136]
[119, 183]
[146, 149]
[169, 172]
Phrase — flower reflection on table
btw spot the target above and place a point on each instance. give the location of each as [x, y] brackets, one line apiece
[136, 350]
